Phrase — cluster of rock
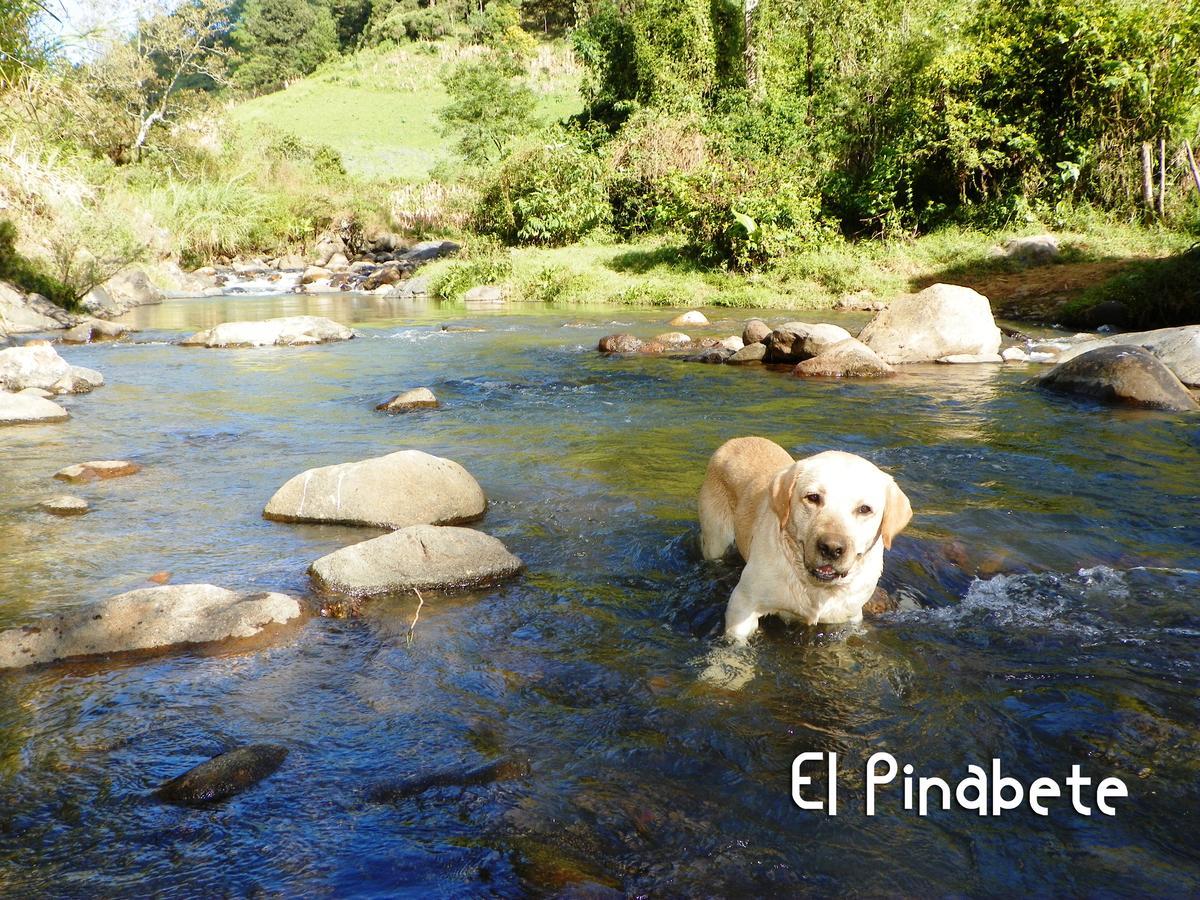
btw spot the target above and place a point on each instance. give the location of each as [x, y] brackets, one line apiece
[22, 313]
[31, 375]
[952, 325]
[385, 266]
[941, 323]
[423, 498]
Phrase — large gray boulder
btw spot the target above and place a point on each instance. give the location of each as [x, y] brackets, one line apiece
[150, 618]
[289, 331]
[405, 488]
[755, 332]
[133, 288]
[421, 557]
[20, 409]
[1177, 348]
[38, 365]
[1121, 374]
[22, 314]
[428, 250]
[848, 359]
[941, 320]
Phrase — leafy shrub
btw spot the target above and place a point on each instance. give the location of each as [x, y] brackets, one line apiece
[28, 275]
[746, 217]
[548, 194]
[485, 262]
[642, 163]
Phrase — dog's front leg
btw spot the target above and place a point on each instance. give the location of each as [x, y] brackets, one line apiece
[741, 616]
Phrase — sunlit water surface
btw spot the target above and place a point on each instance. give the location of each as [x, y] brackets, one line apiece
[1049, 616]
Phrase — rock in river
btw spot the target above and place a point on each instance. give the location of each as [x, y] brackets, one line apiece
[150, 618]
[38, 365]
[1121, 374]
[406, 401]
[289, 331]
[64, 505]
[941, 320]
[98, 470]
[421, 557]
[620, 343]
[689, 319]
[20, 409]
[224, 775]
[393, 491]
[1177, 348]
[755, 332]
[848, 359]
[796, 341]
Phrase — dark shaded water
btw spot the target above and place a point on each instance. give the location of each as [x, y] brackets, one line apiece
[1049, 617]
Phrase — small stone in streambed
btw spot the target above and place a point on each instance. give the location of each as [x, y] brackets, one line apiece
[751, 353]
[881, 602]
[98, 470]
[503, 769]
[1014, 354]
[64, 505]
[690, 318]
[417, 398]
[224, 775]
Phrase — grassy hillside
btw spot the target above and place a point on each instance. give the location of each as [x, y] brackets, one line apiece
[379, 107]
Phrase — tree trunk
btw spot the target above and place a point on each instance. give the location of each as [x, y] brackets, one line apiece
[750, 48]
[1162, 178]
[1192, 165]
[1147, 179]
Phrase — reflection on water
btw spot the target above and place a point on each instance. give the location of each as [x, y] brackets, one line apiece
[1048, 617]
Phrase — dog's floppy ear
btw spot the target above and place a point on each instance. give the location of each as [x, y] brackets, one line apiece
[781, 493]
[897, 513]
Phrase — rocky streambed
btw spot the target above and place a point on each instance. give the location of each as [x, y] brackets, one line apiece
[547, 731]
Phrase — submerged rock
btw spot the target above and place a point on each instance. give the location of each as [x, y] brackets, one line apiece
[224, 775]
[150, 618]
[406, 401]
[1014, 354]
[1177, 348]
[714, 355]
[848, 359]
[690, 318]
[751, 353]
[289, 331]
[485, 773]
[620, 343]
[421, 557]
[1121, 374]
[98, 470]
[961, 359]
[941, 320]
[64, 505]
[22, 408]
[405, 488]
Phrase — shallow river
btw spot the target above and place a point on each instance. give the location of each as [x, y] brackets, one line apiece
[1049, 616]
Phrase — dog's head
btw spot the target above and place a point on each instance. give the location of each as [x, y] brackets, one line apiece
[834, 507]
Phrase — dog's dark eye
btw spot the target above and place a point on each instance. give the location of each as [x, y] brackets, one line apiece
[864, 510]
[814, 499]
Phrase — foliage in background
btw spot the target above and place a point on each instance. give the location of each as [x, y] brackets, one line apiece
[280, 40]
[485, 262]
[28, 275]
[549, 193]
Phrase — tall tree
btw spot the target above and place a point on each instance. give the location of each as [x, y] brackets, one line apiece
[281, 40]
[141, 78]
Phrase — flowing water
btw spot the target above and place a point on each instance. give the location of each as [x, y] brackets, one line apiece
[1048, 617]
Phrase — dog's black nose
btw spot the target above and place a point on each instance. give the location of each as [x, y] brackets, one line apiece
[831, 549]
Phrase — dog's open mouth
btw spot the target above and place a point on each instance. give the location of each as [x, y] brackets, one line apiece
[825, 573]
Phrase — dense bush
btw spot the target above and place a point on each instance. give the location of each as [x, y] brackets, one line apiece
[643, 164]
[28, 275]
[546, 194]
[279, 40]
[484, 262]
[746, 216]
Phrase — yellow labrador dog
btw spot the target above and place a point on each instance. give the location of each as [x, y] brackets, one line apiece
[812, 531]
